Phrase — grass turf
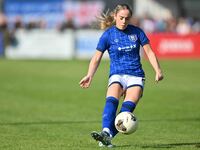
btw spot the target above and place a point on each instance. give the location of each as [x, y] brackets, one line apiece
[43, 107]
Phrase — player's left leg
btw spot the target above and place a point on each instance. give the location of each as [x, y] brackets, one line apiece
[132, 97]
[133, 94]
[134, 91]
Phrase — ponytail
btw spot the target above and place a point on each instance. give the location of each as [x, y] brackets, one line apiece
[107, 20]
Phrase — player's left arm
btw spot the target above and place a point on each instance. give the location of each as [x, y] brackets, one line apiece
[154, 62]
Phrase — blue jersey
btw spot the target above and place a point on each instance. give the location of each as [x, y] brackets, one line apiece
[124, 49]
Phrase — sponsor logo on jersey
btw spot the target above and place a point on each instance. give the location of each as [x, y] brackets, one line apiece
[127, 48]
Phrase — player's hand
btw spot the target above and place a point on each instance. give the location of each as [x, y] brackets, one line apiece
[159, 77]
[85, 82]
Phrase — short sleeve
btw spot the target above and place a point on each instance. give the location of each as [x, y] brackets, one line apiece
[143, 38]
[103, 42]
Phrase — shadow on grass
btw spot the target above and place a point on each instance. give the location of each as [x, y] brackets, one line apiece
[172, 145]
[48, 123]
[158, 146]
[124, 146]
[173, 119]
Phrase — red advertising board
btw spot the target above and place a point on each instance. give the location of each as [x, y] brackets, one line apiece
[169, 45]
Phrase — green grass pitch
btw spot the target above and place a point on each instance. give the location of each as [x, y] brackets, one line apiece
[42, 107]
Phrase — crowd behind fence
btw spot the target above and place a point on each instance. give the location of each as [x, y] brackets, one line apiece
[181, 25]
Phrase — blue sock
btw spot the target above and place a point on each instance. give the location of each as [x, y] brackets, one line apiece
[109, 113]
[126, 106]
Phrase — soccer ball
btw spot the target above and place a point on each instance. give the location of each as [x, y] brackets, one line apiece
[126, 122]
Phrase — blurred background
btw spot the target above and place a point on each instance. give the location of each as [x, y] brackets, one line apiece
[68, 29]
[45, 46]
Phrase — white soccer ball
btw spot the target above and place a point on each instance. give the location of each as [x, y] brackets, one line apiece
[126, 122]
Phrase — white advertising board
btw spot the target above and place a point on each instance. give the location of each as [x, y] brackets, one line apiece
[42, 44]
[86, 43]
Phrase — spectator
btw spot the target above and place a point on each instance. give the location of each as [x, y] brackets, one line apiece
[148, 24]
[183, 27]
[196, 26]
[4, 30]
[160, 25]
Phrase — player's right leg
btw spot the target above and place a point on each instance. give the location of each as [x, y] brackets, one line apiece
[104, 138]
[114, 93]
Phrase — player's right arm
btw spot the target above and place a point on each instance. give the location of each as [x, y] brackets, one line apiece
[94, 63]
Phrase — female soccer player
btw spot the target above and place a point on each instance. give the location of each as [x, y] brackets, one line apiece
[122, 41]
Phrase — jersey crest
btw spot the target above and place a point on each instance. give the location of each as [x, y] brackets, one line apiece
[116, 40]
[133, 37]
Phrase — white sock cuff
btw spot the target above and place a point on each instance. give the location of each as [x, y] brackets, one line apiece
[106, 130]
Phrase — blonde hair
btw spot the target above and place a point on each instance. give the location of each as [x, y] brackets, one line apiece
[106, 20]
